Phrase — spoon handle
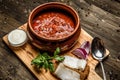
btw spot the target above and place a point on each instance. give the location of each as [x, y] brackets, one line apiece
[104, 76]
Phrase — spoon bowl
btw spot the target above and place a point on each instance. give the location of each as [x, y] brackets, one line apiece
[98, 52]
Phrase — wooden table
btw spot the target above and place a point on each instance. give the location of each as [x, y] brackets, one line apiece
[99, 18]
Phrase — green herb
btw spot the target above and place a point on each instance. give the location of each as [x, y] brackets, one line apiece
[59, 58]
[45, 61]
[57, 51]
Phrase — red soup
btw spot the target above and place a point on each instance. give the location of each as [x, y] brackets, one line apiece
[53, 25]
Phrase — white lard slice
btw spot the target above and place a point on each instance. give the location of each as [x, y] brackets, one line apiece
[75, 63]
[65, 73]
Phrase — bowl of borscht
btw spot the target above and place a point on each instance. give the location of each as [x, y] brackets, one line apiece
[52, 25]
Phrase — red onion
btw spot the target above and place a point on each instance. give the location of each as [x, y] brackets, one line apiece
[86, 46]
[83, 51]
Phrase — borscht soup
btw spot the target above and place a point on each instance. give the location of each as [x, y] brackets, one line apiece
[53, 24]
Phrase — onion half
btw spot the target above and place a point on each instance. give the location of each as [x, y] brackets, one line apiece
[83, 51]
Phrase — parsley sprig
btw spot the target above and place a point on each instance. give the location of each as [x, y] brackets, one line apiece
[45, 61]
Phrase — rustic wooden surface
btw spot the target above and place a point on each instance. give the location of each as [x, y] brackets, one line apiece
[98, 17]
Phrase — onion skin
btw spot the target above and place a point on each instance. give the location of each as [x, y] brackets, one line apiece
[83, 51]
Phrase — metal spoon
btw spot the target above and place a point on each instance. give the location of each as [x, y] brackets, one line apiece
[98, 52]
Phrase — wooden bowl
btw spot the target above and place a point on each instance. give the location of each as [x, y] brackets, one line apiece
[58, 7]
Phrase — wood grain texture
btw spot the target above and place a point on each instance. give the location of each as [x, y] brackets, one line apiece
[26, 53]
[99, 18]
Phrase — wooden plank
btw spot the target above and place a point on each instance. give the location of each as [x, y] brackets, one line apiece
[27, 52]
